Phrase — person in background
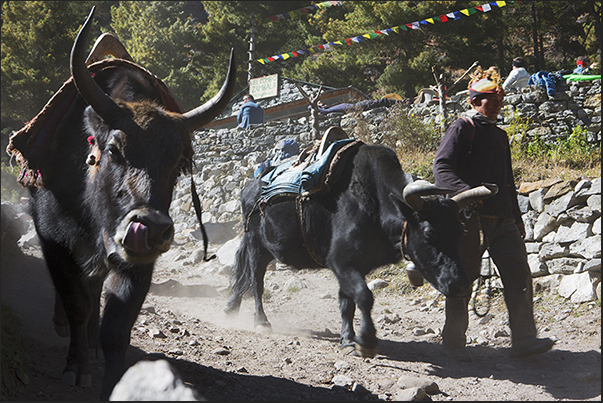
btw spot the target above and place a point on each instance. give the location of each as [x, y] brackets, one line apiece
[365, 105]
[518, 77]
[583, 65]
[473, 151]
[250, 113]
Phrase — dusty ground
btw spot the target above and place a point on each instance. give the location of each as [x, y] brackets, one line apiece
[182, 321]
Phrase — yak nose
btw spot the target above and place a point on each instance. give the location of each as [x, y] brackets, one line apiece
[148, 232]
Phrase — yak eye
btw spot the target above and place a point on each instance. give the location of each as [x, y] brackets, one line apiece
[430, 233]
[113, 151]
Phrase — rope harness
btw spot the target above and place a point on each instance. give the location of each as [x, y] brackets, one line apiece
[329, 177]
[484, 281]
[298, 207]
[197, 204]
[299, 199]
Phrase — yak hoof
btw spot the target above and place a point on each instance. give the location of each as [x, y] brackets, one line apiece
[68, 378]
[365, 352]
[62, 330]
[85, 381]
[358, 350]
[263, 328]
[348, 349]
[231, 311]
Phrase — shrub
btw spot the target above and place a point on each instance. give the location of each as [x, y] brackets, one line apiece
[409, 133]
[414, 141]
[565, 158]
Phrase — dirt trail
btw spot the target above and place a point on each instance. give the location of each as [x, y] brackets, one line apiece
[182, 321]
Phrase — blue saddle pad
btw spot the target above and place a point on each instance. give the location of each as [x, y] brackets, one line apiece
[289, 179]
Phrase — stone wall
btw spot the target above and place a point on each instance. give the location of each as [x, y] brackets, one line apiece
[563, 235]
[226, 158]
[563, 219]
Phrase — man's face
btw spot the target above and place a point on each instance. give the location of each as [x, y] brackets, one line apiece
[488, 104]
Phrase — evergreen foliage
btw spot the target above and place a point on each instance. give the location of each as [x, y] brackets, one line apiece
[165, 38]
[186, 44]
[36, 43]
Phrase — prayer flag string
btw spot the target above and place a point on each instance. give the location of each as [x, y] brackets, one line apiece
[455, 15]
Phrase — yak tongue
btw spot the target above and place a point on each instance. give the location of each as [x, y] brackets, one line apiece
[136, 237]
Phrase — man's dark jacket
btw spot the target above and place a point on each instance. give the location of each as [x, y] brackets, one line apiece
[469, 156]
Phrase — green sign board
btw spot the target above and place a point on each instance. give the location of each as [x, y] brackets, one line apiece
[264, 87]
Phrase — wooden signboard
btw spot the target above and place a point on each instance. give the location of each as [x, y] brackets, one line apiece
[264, 87]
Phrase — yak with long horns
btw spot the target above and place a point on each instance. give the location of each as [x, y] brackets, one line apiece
[101, 179]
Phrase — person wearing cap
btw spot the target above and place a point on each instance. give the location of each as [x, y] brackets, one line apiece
[473, 151]
[518, 77]
[583, 65]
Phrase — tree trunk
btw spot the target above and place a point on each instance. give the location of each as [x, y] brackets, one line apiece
[537, 57]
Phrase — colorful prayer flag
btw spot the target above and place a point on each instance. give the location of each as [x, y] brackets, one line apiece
[455, 15]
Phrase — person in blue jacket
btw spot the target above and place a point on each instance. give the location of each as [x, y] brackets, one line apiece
[250, 113]
[583, 65]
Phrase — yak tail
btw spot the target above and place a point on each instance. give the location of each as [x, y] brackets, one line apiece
[241, 277]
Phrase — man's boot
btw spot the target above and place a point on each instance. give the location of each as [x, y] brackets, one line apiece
[453, 334]
[523, 328]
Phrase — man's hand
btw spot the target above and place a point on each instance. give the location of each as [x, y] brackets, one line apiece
[473, 206]
[469, 211]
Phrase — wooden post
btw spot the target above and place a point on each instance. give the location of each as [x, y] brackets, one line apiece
[443, 91]
[441, 88]
[251, 51]
[464, 74]
[313, 101]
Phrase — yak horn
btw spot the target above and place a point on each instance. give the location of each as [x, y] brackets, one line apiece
[469, 196]
[85, 84]
[205, 113]
[413, 193]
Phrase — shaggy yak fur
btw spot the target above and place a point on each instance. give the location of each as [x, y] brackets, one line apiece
[363, 221]
[101, 199]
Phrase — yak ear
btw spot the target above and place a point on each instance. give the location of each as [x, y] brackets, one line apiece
[93, 122]
[401, 206]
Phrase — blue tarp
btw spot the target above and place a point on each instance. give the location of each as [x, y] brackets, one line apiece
[545, 80]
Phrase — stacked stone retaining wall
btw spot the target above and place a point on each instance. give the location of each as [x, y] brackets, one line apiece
[562, 218]
[227, 158]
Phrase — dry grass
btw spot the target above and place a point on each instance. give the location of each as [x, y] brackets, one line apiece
[416, 143]
[525, 169]
[531, 170]
[417, 163]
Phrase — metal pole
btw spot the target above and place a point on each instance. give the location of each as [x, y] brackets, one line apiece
[251, 50]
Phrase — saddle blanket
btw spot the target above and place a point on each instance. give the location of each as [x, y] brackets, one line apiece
[289, 179]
